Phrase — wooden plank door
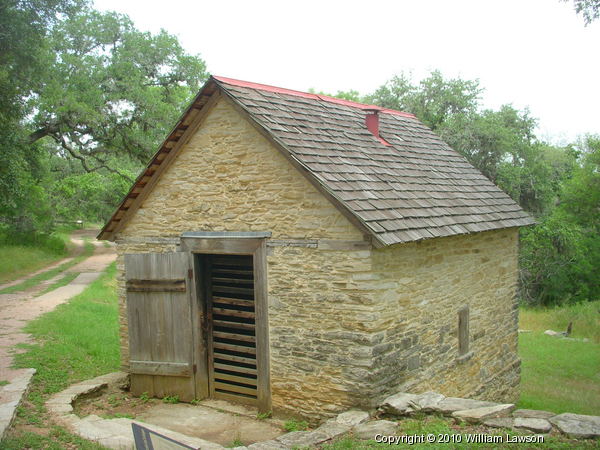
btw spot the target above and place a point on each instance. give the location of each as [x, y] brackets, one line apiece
[159, 314]
[231, 328]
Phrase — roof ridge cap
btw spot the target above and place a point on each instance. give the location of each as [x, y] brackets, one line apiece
[326, 98]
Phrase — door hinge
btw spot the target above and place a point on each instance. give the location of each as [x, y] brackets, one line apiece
[190, 274]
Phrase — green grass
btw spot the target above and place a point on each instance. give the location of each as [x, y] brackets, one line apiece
[25, 253]
[70, 276]
[559, 375]
[295, 425]
[19, 260]
[57, 439]
[76, 341]
[4, 382]
[79, 339]
[33, 281]
[585, 317]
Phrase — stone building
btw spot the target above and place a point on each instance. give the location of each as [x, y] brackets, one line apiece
[308, 254]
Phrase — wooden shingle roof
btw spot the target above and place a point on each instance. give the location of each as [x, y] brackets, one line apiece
[406, 185]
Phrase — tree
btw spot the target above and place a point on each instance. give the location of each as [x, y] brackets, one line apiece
[589, 9]
[24, 25]
[560, 257]
[434, 100]
[84, 86]
[110, 90]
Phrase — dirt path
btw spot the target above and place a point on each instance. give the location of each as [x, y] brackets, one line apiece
[19, 308]
[77, 238]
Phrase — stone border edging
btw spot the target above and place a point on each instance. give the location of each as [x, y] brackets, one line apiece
[111, 433]
[493, 414]
[117, 434]
[15, 391]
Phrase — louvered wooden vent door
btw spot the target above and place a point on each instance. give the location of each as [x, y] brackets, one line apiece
[231, 328]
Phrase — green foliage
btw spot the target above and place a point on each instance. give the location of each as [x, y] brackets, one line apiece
[57, 439]
[118, 416]
[560, 257]
[89, 196]
[264, 416]
[237, 442]
[173, 399]
[295, 425]
[144, 398]
[103, 92]
[589, 9]
[70, 276]
[112, 90]
[23, 31]
[434, 100]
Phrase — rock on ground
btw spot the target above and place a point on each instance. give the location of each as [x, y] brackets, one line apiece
[452, 404]
[399, 404]
[370, 429]
[352, 418]
[533, 414]
[487, 412]
[577, 425]
[535, 425]
[499, 422]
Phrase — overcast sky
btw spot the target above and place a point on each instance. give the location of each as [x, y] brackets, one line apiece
[531, 53]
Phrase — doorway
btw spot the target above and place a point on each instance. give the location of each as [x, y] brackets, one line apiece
[230, 316]
[230, 326]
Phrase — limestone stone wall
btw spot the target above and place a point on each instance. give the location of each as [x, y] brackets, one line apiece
[321, 321]
[230, 178]
[431, 281]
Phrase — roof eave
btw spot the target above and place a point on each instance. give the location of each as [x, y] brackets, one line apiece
[107, 232]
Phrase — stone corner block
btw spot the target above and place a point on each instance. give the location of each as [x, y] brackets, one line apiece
[487, 412]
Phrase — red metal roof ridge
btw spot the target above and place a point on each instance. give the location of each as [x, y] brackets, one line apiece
[327, 98]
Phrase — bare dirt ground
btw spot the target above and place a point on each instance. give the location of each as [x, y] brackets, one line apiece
[18, 308]
[212, 420]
